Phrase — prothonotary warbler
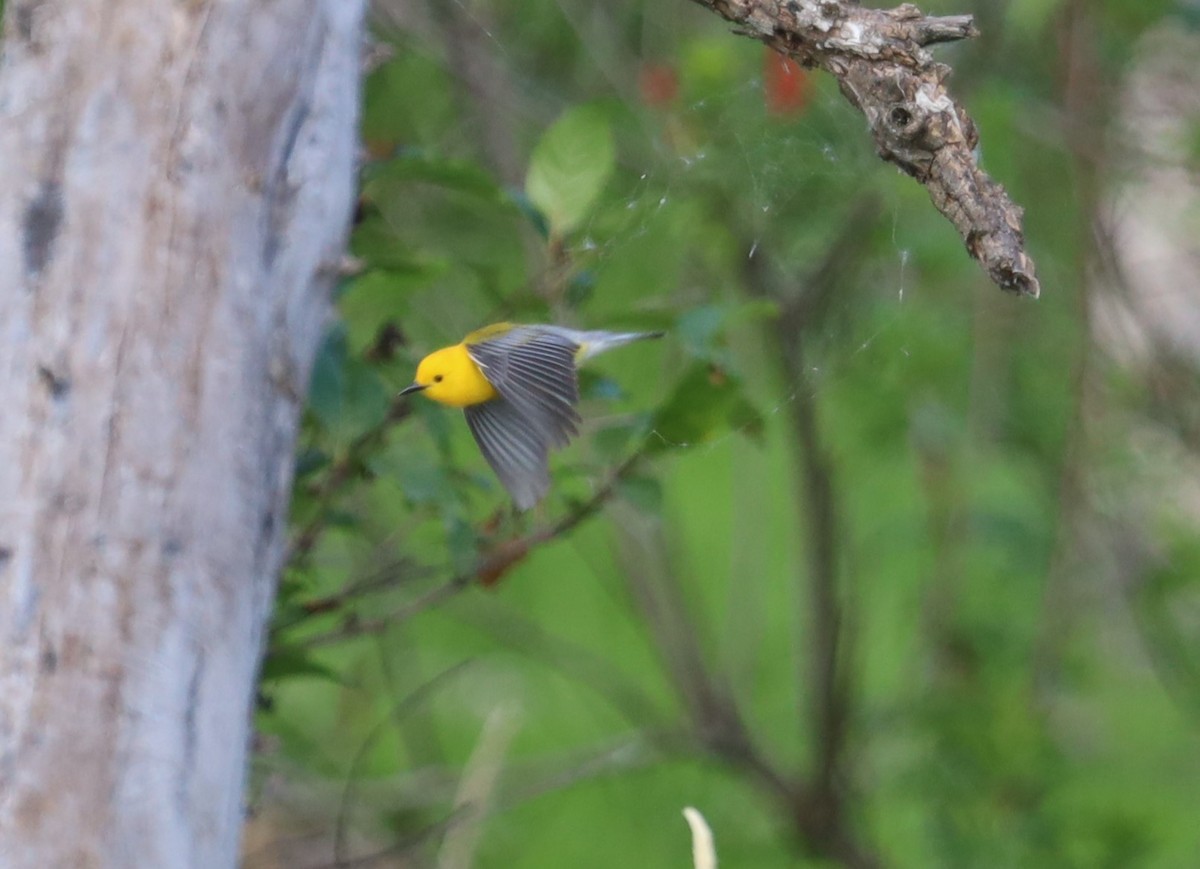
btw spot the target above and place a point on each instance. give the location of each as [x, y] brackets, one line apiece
[518, 388]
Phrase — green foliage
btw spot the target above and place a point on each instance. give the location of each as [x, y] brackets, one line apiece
[705, 403]
[347, 396]
[570, 166]
[1019, 602]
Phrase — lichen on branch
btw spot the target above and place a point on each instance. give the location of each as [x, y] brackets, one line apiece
[879, 59]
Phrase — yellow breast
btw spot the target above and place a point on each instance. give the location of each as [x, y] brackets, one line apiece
[450, 376]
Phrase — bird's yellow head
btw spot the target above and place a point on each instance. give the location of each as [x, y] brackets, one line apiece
[450, 376]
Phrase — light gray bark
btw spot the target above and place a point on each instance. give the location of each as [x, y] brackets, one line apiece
[175, 182]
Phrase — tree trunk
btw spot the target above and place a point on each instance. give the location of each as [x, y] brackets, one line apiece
[175, 183]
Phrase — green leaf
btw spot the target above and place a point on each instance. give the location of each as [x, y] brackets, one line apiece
[697, 330]
[706, 402]
[462, 543]
[612, 442]
[343, 519]
[409, 99]
[287, 662]
[374, 300]
[366, 401]
[597, 386]
[423, 483]
[441, 425]
[346, 395]
[309, 461]
[327, 383]
[581, 288]
[378, 244]
[570, 166]
[456, 174]
[532, 214]
[745, 419]
[700, 331]
[645, 493]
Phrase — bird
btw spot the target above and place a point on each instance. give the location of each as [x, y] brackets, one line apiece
[518, 387]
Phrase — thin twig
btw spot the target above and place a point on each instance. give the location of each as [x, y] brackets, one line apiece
[476, 791]
[389, 578]
[400, 709]
[629, 754]
[820, 803]
[1083, 97]
[572, 660]
[488, 570]
[717, 724]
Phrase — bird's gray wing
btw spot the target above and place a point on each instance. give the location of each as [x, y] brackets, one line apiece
[535, 370]
[514, 447]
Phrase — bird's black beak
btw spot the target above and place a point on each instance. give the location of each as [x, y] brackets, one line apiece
[416, 387]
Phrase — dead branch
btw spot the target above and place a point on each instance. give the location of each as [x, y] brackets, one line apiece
[879, 59]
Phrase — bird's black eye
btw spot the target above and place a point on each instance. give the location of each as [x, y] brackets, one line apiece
[437, 378]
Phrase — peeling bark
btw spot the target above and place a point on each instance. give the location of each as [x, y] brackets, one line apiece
[879, 59]
[175, 184]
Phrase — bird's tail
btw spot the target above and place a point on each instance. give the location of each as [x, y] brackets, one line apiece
[592, 343]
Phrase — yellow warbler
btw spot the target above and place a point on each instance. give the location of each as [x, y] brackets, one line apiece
[518, 388]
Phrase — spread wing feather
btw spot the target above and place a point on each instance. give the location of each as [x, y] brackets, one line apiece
[534, 369]
[516, 451]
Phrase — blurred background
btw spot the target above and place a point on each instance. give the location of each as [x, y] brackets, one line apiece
[869, 562]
